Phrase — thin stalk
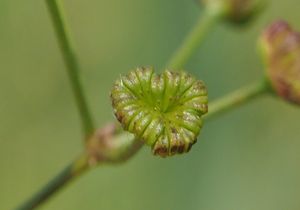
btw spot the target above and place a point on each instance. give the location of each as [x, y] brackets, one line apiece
[71, 62]
[192, 41]
[75, 169]
[237, 98]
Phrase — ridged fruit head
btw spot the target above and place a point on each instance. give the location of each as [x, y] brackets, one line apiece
[162, 110]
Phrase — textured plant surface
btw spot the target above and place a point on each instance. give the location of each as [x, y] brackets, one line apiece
[163, 110]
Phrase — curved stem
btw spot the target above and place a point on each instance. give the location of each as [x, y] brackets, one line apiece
[237, 98]
[71, 62]
[72, 171]
[205, 23]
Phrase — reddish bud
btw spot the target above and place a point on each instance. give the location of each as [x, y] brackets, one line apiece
[281, 51]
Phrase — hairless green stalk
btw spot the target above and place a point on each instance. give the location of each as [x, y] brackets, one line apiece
[73, 170]
[128, 144]
[72, 65]
[237, 98]
[192, 41]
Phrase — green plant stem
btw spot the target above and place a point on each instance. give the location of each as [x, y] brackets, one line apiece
[191, 43]
[237, 98]
[75, 169]
[71, 62]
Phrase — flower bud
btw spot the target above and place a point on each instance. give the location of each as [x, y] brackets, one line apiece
[236, 11]
[164, 111]
[281, 50]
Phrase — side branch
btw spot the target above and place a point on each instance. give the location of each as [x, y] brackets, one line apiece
[192, 41]
[237, 98]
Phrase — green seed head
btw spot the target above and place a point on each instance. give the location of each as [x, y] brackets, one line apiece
[281, 51]
[163, 110]
[237, 11]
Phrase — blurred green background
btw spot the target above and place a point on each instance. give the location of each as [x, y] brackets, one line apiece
[246, 159]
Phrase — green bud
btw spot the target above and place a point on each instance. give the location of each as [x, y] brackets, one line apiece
[281, 50]
[164, 111]
[236, 11]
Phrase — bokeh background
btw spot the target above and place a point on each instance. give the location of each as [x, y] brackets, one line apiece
[246, 159]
